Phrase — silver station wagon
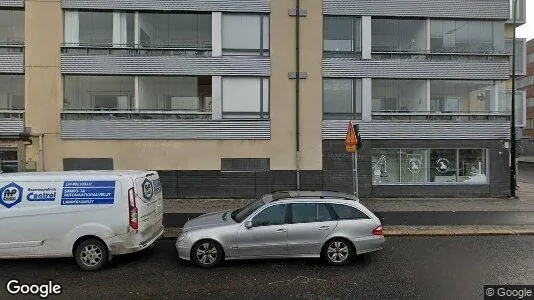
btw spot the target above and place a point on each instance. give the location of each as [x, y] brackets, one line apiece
[289, 224]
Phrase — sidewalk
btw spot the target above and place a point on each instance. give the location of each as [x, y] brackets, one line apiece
[486, 209]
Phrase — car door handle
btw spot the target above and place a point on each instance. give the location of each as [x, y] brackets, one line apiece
[281, 230]
[324, 228]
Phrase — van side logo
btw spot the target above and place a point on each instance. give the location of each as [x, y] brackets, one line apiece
[148, 189]
[10, 195]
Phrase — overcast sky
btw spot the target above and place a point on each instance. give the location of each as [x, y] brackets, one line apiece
[527, 30]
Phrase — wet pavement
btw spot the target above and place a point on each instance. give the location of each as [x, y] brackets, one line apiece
[407, 268]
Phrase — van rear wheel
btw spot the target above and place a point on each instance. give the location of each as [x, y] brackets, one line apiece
[91, 255]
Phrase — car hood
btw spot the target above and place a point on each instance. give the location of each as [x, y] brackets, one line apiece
[209, 220]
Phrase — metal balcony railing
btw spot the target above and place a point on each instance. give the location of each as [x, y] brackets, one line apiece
[13, 114]
[201, 50]
[135, 115]
[440, 116]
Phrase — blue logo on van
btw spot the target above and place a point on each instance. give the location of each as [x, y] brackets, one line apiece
[10, 195]
[48, 194]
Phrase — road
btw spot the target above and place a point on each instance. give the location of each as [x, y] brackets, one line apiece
[408, 268]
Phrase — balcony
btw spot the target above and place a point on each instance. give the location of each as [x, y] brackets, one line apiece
[159, 125]
[441, 116]
[521, 13]
[11, 122]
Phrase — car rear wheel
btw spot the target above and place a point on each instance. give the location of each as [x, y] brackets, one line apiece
[206, 254]
[338, 252]
[91, 255]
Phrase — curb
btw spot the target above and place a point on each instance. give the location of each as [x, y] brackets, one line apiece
[449, 230]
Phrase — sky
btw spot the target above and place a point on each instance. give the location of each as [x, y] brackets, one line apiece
[527, 30]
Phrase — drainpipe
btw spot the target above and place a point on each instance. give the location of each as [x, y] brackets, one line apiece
[41, 152]
[297, 89]
[513, 182]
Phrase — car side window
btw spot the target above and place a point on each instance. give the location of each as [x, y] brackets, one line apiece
[345, 212]
[273, 215]
[323, 213]
[303, 212]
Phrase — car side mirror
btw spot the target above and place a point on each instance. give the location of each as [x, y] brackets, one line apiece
[248, 224]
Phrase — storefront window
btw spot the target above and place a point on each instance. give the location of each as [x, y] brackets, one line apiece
[472, 165]
[429, 166]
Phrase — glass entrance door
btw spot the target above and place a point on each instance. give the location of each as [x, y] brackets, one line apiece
[9, 161]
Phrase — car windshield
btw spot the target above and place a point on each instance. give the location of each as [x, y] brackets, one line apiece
[242, 213]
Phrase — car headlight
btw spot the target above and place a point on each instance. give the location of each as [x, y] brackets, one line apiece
[182, 236]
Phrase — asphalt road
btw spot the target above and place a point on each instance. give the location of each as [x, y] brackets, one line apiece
[408, 268]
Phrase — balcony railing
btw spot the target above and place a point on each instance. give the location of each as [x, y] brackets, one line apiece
[445, 55]
[134, 115]
[136, 50]
[12, 114]
[441, 116]
[10, 47]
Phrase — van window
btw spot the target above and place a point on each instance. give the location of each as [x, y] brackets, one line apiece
[345, 212]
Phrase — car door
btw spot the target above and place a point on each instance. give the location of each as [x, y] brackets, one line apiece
[268, 235]
[310, 226]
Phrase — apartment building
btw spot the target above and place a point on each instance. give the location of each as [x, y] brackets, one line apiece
[236, 98]
[526, 83]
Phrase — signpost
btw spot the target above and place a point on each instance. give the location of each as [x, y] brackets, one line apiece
[352, 144]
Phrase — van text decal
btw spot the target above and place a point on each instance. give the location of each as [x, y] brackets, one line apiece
[88, 192]
[10, 195]
[41, 194]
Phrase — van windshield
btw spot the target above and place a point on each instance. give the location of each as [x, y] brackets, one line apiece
[242, 213]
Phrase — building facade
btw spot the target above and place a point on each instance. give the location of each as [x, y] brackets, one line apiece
[526, 84]
[236, 98]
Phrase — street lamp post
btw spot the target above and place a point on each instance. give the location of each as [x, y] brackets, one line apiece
[513, 182]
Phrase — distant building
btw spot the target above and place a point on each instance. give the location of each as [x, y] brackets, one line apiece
[526, 83]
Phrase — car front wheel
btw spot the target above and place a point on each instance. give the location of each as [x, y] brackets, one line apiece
[206, 254]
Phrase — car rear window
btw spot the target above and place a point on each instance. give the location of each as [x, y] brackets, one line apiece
[345, 212]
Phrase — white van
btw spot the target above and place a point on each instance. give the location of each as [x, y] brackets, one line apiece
[89, 215]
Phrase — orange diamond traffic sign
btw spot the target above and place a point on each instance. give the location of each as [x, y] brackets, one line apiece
[352, 139]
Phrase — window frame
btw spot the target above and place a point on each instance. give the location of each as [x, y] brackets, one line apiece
[261, 114]
[356, 52]
[263, 51]
[354, 115]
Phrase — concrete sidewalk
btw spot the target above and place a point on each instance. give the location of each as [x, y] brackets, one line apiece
[525, 203]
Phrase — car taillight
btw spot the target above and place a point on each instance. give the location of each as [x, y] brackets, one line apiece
[378, 231]
[132, 208]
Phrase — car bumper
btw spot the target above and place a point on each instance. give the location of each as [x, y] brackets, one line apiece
[119, 246]
[370, 244]
[184, 251]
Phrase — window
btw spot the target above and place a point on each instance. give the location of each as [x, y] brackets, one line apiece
[342, 36]
[11, 92]
[466, 36]
[187, 94]
[11, 27]
[342, 99]
[245, 97]
[310, 212]
[435, 166]
[398, 35]
[505, 104]
[181, 30]
[98, 28]
[461, 95]
[530, 58]
[520, 49]
[345, 212]
[244, 34]
[393, 95]
[98, 92]
[273, 215]
[9, 161]
[530, 102]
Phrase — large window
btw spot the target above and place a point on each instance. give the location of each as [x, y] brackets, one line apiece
[466, 36]
[398, 35]
[342, 99]
[429, 166]
[394, 95]
[461, 95]
[189, 94]
[98, 92]
[11, 92]
[245, 97]
[182, 30]
[244, 34]
[11, 27]
[98, 28]
[342, 36]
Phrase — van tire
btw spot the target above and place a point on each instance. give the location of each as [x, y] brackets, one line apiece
[91, 255]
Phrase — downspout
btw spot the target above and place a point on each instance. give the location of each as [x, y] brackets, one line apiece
[297, 90]
[41, 152]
